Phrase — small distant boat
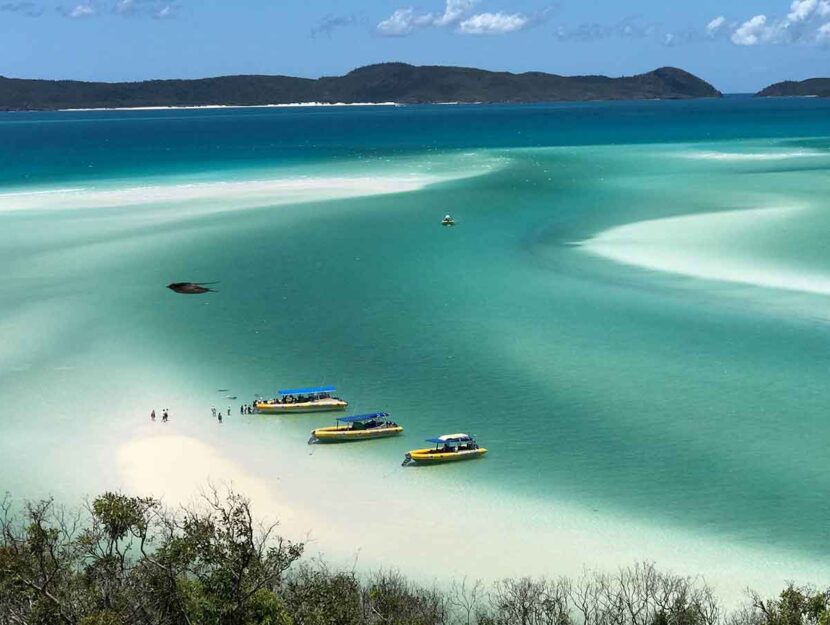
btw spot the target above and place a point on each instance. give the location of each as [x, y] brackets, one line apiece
[312, 399]
[448, 221]
[357, 428]
[448, 448]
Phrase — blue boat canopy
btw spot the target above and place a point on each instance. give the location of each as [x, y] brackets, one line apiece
[364, 417]
[312, 390]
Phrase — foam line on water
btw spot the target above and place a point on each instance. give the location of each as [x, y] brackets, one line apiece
[697, 246]
[751, 156]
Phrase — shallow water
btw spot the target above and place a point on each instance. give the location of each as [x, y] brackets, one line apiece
[632, 313]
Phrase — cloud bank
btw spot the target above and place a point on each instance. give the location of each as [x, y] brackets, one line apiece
[156, 9]
[493, 23]
[458, 15]
[808, 22]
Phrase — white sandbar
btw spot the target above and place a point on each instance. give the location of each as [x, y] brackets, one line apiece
[703, 246]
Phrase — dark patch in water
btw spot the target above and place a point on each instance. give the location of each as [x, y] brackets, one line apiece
[191, 288]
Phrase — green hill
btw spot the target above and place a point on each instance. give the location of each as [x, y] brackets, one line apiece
[809, 87]
[387, 82]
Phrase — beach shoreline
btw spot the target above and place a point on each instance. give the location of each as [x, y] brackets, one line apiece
[234, 106]
[371, 523]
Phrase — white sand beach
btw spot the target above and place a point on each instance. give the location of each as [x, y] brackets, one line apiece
[232, 106]
[402, 518]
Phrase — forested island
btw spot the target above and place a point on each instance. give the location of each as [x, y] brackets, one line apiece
[811, 87]
[124, 560]
[386, 82]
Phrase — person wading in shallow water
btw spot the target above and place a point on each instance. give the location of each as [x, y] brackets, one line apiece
[220, 417]
[153, 415]
[164, 416]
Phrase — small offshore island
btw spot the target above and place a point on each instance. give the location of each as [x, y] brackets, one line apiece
[383, 83]
[812, 87]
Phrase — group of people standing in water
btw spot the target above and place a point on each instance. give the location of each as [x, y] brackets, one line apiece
[243, 409]
[164, 415]
[216, 414]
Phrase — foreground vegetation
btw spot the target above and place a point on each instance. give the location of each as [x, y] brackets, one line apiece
[126, 560]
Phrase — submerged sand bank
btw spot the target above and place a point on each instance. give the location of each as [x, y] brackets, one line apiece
[272, 187]
[710, 246]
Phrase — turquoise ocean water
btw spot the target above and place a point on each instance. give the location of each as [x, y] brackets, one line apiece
[652, 372]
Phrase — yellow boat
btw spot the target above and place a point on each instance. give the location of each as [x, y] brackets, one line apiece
[357, 428]
[312, 399]
[448, 448]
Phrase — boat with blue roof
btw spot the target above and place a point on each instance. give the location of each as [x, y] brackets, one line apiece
[448, 448]
[357, 428]
[311, 399]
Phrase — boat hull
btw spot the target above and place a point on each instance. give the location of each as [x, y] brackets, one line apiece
[324, 405]
[341, 434]
[429, 456]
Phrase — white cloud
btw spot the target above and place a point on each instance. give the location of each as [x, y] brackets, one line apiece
[802, 24]
[823, 34]
[493, 23]
[158, 9]
[458, 14]
[800, 10]
[715, 25]
[82, 10]
[455, 11]
[399, 23]
[403, 22]
[751, 32]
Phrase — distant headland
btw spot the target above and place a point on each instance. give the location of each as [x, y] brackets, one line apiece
[819, 87]
[383, 83]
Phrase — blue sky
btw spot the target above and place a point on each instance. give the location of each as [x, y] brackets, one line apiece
[738, 45]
